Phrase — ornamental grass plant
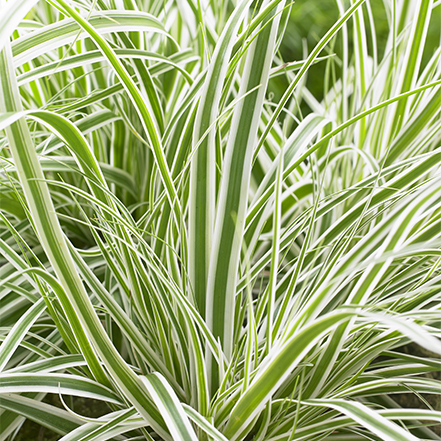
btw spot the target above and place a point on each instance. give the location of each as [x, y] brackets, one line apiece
[192, 236]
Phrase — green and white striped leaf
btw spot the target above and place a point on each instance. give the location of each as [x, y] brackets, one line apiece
[170, 407]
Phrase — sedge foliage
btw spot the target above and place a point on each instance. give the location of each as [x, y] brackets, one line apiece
[207, 260]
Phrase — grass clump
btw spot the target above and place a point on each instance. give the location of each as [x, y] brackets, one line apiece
[194, 238]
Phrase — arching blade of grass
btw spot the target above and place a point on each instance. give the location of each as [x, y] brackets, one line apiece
[387, 385]
[373, 421]
[51, 417]
[55, 383]
[113, 425]
[52, 364]
[90, 57]
[18, 332]
[66, 31]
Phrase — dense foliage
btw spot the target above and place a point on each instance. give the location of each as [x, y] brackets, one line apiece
[204, 239]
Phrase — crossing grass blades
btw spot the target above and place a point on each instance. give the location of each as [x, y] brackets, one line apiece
[209, 259]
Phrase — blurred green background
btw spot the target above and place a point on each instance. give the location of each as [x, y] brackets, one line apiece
[310, 19]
